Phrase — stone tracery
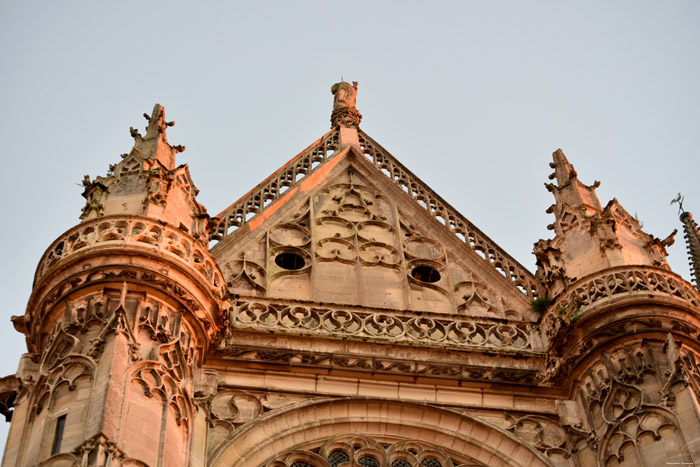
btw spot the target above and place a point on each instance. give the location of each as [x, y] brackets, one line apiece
[365, 451]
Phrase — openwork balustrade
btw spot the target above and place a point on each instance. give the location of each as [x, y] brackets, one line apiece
[343, 323]
[240, 212]
[443, 212]
[132, 230]
[618, 282]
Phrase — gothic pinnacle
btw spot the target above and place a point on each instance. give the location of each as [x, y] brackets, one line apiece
[154, 145]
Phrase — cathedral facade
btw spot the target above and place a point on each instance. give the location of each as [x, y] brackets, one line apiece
[342, 313]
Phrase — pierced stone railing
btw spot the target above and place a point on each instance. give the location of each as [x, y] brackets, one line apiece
[625, 281]
[453, 220]
[263, 315]
[253, 203]
[123, 231]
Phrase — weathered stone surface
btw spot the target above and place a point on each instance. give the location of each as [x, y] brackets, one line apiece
[346, 314]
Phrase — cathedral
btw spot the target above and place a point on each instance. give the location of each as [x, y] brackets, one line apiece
[341, 314]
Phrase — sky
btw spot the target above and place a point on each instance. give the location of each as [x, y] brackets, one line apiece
[471, 96]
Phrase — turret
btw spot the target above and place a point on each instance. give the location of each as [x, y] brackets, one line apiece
[123, 310]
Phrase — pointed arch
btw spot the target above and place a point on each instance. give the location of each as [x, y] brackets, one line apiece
[307, 425]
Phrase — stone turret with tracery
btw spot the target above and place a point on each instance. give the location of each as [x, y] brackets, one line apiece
[124, 307]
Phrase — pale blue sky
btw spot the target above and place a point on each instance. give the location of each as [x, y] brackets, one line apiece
[473, 97]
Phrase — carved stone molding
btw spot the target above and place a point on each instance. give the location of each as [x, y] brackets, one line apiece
[324, 362]
[97, 451]
[340, 322]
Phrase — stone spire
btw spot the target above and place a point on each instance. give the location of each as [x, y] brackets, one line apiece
[147, 182]
[155, 144]
[590, 237]
[692, 241]
[569, 189]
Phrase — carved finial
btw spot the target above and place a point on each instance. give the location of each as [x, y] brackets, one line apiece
[344, 111]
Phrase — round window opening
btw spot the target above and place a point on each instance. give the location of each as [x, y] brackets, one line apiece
[289, 261]
[425, 273]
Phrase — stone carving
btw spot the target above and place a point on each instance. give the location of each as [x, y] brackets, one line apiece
[162, 362]
[582, 225]
[474, 298]
[65, 373]
[82, 315]
[229, 409]
[453, 221]
[344, 111]
[628, 397]
[133, 231]
[344, 94]
[542, 433]
[285, 179]
[365, 451]
[338, 322]
[625, 280]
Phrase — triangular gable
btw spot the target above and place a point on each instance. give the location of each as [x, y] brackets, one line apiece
[479, 242]
[359, 239]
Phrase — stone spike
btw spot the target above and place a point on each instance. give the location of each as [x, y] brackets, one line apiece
[154, 145]
[569, 190]
[692, 241]
[563, 170]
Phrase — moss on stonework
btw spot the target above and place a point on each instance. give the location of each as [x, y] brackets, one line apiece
[575, 314]
[539, 305]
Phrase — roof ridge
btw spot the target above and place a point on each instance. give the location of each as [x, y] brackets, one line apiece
[440, 209]
[275, 185]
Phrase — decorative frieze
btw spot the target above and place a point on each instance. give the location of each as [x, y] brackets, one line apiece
[342, 323]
